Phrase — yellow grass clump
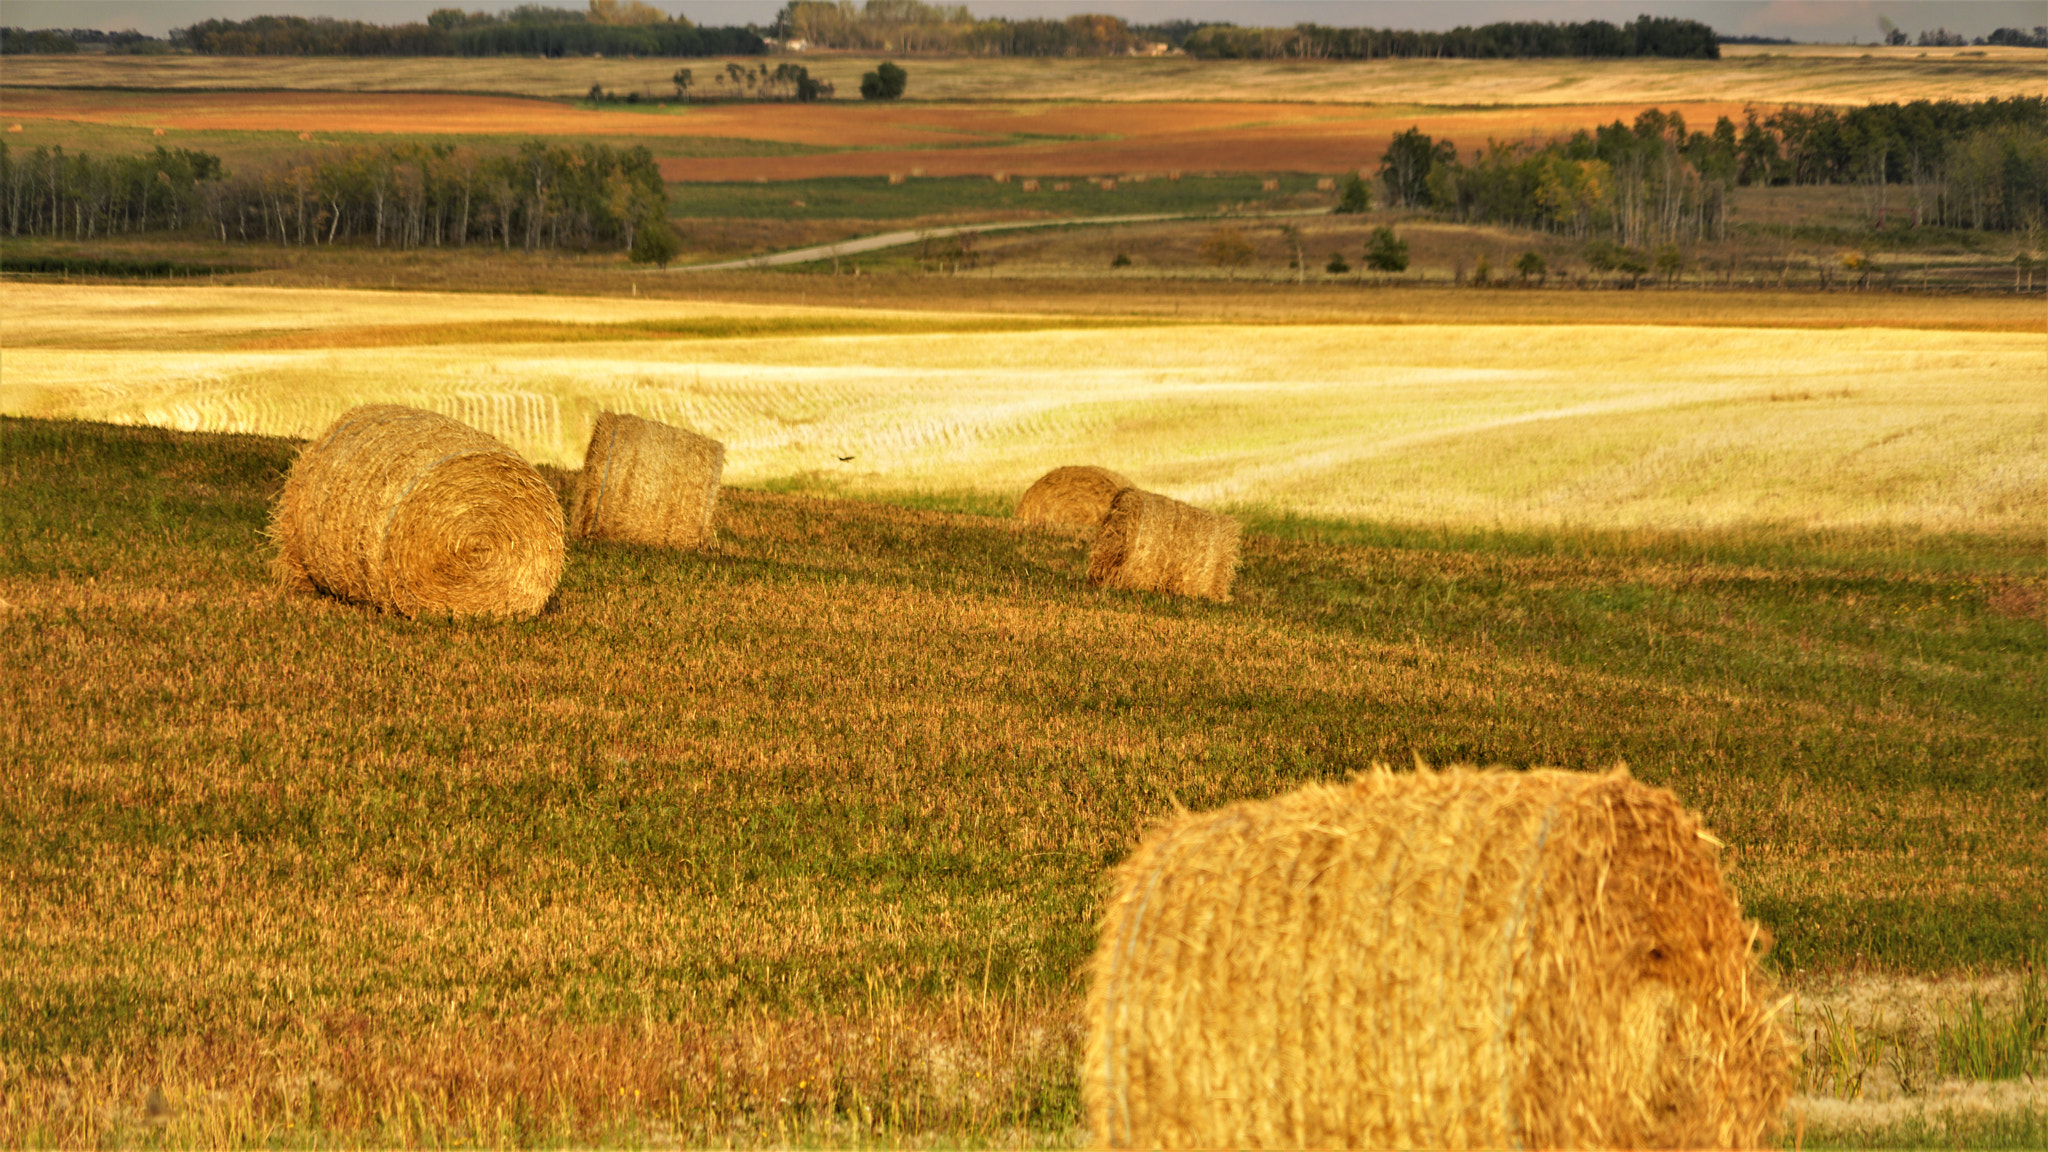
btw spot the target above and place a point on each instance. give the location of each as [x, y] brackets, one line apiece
[645, 482]
[420, 514]
[1152, 543]
[1464, 959]
[1078, 494]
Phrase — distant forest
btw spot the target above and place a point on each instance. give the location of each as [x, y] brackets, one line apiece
[541, 196]
[914, 26]
[634, 28]
[1981, 165]
[606, 28]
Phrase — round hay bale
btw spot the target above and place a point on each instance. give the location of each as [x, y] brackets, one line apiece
[1462, 959]
[1152, 543]
[419, 514]
[1076, 494]
[645, 482]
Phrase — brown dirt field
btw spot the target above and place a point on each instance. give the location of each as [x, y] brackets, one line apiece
[1258, 138]
[1028, 139]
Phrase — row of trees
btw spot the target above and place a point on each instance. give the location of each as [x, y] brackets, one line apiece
[1981, 165]
[1643, 36]
[739, 82]
[914, 26]
[607, 29]
[49, 193]
[69, 41]
[397, 196]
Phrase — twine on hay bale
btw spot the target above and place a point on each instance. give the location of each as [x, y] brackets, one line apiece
[645, 482]
[1462, 959]
[417, 513]
[1151, 543]
[1078, 494]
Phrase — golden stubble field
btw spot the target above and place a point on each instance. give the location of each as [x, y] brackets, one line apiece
[1639, 426]
[1775, 74]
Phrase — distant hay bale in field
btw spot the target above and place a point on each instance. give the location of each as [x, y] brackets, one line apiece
[1001, 177]
[1061, 186]
[1269, 185]
[1174, 175]
[917, 172]
[645, 482]
[1462, 959]
[1326, 183]
[1152, 543]
[1077, 494]
[1108, 185]
[416, 513]
[156, 132]
[1030, 185]
[895, 177]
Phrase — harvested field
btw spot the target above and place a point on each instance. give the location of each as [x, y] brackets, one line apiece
[868, 139]
[289, 871]
[1769, 74]
[1649, 426]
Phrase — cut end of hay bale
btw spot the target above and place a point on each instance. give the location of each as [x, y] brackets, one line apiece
[1152, 543]
[645, 482]
[1462, 959]
[420, 514]
[1076, 494]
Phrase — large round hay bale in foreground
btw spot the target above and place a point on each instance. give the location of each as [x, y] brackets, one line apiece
[1077, 494]
[1152, 543]
[1462, 959]
[645, 482]
[420, 514]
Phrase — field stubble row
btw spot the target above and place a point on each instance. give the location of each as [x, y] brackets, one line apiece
[1765, 74]
[1656, 427]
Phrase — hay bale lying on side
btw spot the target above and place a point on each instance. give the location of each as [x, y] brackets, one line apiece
[645, 482]
[417, 513]
[1432, 960]
[1077, 494]
[1151, 543]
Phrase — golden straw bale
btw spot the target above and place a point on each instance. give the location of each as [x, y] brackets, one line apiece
[420, 514]
[1462, 959]
[645, 482]
[1077, 494]
[1152, 543]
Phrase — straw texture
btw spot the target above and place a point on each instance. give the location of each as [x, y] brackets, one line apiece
[1462, 959]
[1150, 543]
[646, 482]
[1077, 494]
[420, 514]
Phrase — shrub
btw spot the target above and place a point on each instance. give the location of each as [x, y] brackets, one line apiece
[886, 82]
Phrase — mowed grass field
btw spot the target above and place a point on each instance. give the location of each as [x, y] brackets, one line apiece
[1647, 426]
[801, 839]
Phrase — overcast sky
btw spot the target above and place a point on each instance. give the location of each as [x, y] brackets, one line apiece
[1820, 21]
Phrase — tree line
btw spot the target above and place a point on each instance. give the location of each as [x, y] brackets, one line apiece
[395, 196]
[1644, 36]
[68, 41]
[915, 26]
[529, 30]
[1977, 165]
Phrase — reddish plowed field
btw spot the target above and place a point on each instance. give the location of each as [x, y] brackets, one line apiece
[942, 139]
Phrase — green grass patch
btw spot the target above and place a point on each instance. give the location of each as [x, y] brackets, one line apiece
[874, 198]
[115, 267]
